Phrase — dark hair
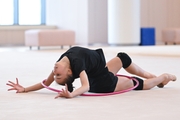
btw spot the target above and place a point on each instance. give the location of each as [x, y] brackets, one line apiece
[69, 82]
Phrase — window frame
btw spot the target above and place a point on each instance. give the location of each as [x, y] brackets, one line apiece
[16, 13]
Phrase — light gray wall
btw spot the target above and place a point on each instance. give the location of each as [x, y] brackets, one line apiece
[69, 14]
[97, 21]
[88, 18]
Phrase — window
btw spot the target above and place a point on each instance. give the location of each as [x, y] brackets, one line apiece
[6, 12]
[22, 12]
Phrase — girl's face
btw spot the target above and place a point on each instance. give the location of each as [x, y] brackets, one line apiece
[61, 72]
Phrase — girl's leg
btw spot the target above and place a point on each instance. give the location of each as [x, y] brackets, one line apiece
[123, 83]
[114, 65]
[123, 60]
[136, 70]
[162, 79]
[126, 83]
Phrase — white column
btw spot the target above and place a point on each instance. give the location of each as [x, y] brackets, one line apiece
[124, 22]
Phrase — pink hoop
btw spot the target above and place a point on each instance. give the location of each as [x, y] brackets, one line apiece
[98, 94]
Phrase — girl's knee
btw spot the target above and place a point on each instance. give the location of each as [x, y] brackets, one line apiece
[125, 59]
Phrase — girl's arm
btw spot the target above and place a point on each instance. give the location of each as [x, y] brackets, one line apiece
[84, 87]
[21, 89]
[38, 86]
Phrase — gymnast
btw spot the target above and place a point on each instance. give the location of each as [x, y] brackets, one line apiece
[95, 74]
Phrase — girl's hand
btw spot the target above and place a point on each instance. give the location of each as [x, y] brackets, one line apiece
[16, 86]
[65, 93]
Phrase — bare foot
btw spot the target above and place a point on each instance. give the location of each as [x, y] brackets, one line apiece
[168, 77]
[171, 77]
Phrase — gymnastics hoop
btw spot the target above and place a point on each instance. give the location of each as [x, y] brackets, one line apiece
[98, 94]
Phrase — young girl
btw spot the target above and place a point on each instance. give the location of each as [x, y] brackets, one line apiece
[95, 74]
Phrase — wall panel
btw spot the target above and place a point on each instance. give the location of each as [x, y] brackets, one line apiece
[14, 35]
[160, 14]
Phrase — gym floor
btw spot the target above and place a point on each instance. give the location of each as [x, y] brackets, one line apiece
[32, 66]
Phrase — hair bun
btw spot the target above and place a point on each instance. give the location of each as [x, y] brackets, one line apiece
[69, 82]
[70, 87]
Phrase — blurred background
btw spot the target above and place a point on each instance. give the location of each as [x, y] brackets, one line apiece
[109, 22]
